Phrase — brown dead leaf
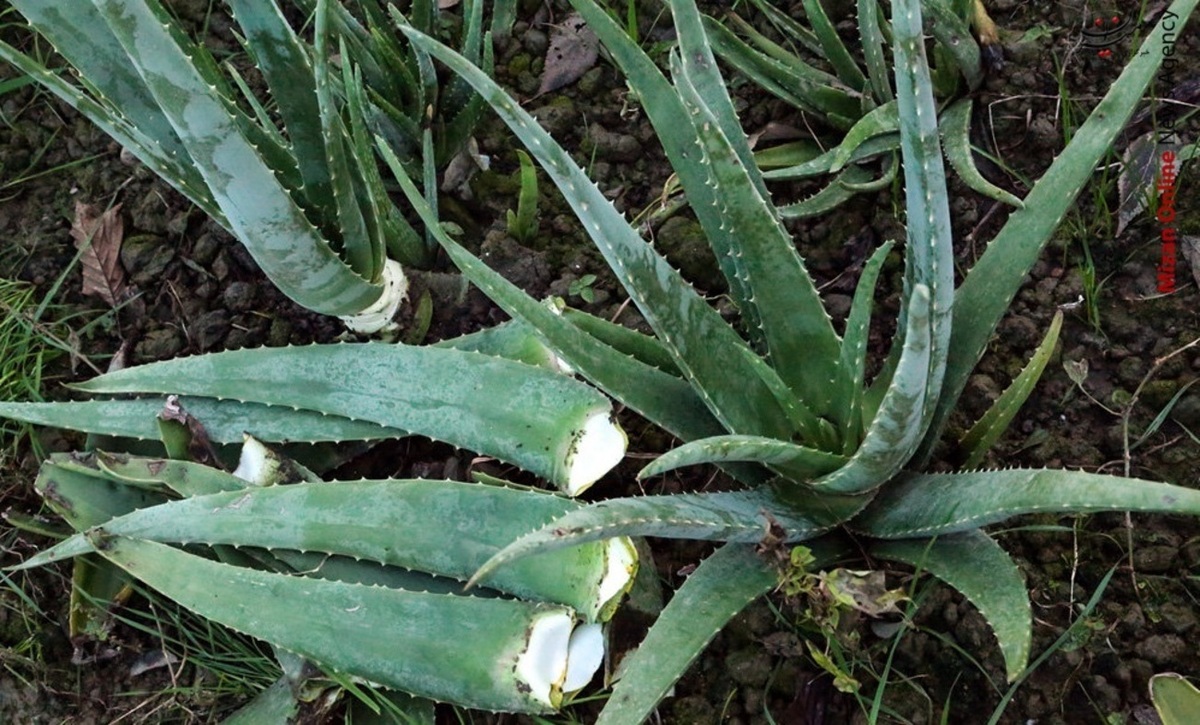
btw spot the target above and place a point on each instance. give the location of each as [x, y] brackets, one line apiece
[573, 50]
[99, 235]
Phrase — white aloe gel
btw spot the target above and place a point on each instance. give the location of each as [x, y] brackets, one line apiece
[560, 658]
[597, 448]
[379, 315]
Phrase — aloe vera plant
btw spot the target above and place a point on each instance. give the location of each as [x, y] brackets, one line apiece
[786, 409]
[821, 78]
[304, 193]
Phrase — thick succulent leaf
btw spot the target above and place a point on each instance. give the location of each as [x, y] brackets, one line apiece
[822, 164]
[871, 34]
[929, 255]
[276, 705]
[724, 583]
[930, 504]
[800, 340]
[80, 35]
[260, 211]
[522, 414]
[988, 429]
[643, 348]
[783, 74]
[1176, 700]
[974, 564]
[955, 39]
[661, 397]
[797, 463]
[992, 283]
[883, 120]
[87, 498]
[836, 192]
[834, 49]
[956, 135]
[287, 68]
[739, 516]
[704, 346]
[854, 344]
[459, 649]
[225, 421]
[895, 432]
[445, 528]
[185, 478]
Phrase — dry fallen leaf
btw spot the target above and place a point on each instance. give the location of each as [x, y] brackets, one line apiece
[99, 235]
[573, 51]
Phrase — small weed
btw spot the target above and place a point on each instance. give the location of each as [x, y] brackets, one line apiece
[582, 288]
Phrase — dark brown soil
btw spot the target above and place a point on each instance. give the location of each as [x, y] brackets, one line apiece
[197, 290]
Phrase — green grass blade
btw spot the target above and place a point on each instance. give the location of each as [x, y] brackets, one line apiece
[788, 459]
[956, 136]
[460, 649]
[920, 505]
[990, 286]
[704, 346]
[988, 429]
[521, 414]
[740, 516]
[974, 564]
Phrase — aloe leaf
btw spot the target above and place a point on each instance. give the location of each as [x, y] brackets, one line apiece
[990, 286]
[955, 40]
[225, 421]
[739, 516]
[836, 193]
[533, 418]
[724, 583]
[871, 35]
[664, 108]
[185, 478]
[801, 343]
[287, 69]
[661, 397]
[176, 169]
[854, 342]
[956, 136]
[942, 503]
[988, 429]
[440, 527]
[929, 254]
[1176, 700]
[643, 348]
[882, 120]
[86, 498]
[79, 34]
[276, 705]
[461, 649]
[259, 210]
[786, 76]
[974, 564]
[700, 68]
[821, 165]
[704, 346]
[788, 459]
[896, 430]
[835, 50]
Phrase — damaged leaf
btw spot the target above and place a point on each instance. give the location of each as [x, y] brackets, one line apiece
[99, 236]
[573, 51]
